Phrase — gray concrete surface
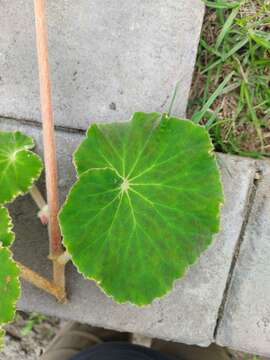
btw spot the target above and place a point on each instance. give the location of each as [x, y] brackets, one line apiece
[188, 314]
[108, 58]
[246, 321]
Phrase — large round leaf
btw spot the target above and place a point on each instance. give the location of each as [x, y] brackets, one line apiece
[6, 233]
[9, 287]
[145, 206]
[19, 167]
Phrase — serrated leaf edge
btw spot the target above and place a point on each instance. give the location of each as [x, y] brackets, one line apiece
[9, 228]
[172, 286]
[157, 298]
[13, 302]
[129, 120]
[180, 278]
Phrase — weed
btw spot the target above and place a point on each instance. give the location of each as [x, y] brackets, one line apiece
[34, 319]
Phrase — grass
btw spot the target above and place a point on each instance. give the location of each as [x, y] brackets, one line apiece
[231, 85]
[33, 319]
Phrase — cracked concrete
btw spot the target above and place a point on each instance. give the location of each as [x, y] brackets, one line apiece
[245, 324]
[249, 205]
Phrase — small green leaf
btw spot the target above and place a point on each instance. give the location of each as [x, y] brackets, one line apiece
[19, 167]
[9, 286]
[6, 233]
[145, 206]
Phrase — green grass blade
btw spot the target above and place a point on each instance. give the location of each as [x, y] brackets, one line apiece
[227, 26]
[197, 117]
[261, 39]
[236, 48]
[209, 48]
[252, 112]
[222, 5]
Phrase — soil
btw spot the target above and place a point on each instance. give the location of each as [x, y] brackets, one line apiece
[28, 336]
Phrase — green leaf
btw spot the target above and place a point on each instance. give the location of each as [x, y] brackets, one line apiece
[145, 206]
[19, 167]
[2, 334]
[6, 233]
[9, 286]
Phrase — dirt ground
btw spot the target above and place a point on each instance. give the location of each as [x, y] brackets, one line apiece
[27, 337]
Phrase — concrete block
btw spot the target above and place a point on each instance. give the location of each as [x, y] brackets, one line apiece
[188, 314]
[108, 58]
[246, 321]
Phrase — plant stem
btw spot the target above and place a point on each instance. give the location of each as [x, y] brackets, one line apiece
[37, 197]
[49, 141]
[42, 283]
[43, 214]
[64, 258]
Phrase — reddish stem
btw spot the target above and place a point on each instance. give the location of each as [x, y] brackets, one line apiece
[48, 137]
[48, 126]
